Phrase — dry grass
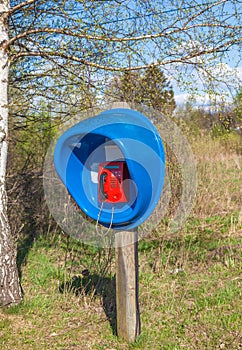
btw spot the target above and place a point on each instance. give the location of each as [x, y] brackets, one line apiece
[219, 179]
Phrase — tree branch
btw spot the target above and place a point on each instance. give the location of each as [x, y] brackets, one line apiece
[185, 59]
[20, 6]
[199, 13]
[68, 32]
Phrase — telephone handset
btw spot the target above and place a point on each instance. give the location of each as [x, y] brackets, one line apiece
[111, 186]
[103, 195]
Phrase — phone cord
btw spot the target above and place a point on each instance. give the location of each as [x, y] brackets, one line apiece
[110, 225]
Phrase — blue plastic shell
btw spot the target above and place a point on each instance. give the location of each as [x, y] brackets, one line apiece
[82, 147]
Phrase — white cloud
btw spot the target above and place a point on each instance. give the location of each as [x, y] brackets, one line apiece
[228, 74]
[223, 89]
[201, 100]
[182, 98]
[239, 73]
[195, 99]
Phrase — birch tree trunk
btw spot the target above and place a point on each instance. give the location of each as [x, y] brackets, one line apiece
[10, 290]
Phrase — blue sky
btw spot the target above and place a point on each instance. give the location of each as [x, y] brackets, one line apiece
[228, 71]
[223, 92]
[169, 42]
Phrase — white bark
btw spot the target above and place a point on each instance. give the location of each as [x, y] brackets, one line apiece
[4, 68]
[10, 291]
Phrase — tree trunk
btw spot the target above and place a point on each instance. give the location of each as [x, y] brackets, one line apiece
[10, 290]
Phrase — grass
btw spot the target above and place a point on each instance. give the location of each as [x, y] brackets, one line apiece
[190, 294]
[190, 281]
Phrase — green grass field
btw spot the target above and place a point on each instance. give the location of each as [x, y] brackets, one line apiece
[190, 281]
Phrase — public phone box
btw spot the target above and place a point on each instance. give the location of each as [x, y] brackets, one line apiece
[112, 187]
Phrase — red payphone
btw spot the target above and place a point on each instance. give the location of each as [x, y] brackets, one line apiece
[111, 185]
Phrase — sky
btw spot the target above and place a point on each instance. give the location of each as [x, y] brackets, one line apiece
[156, 17]
[226, 73]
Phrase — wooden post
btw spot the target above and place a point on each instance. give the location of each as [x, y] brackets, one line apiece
[127, 303]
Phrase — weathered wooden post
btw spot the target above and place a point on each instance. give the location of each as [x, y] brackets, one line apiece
[127, 302]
